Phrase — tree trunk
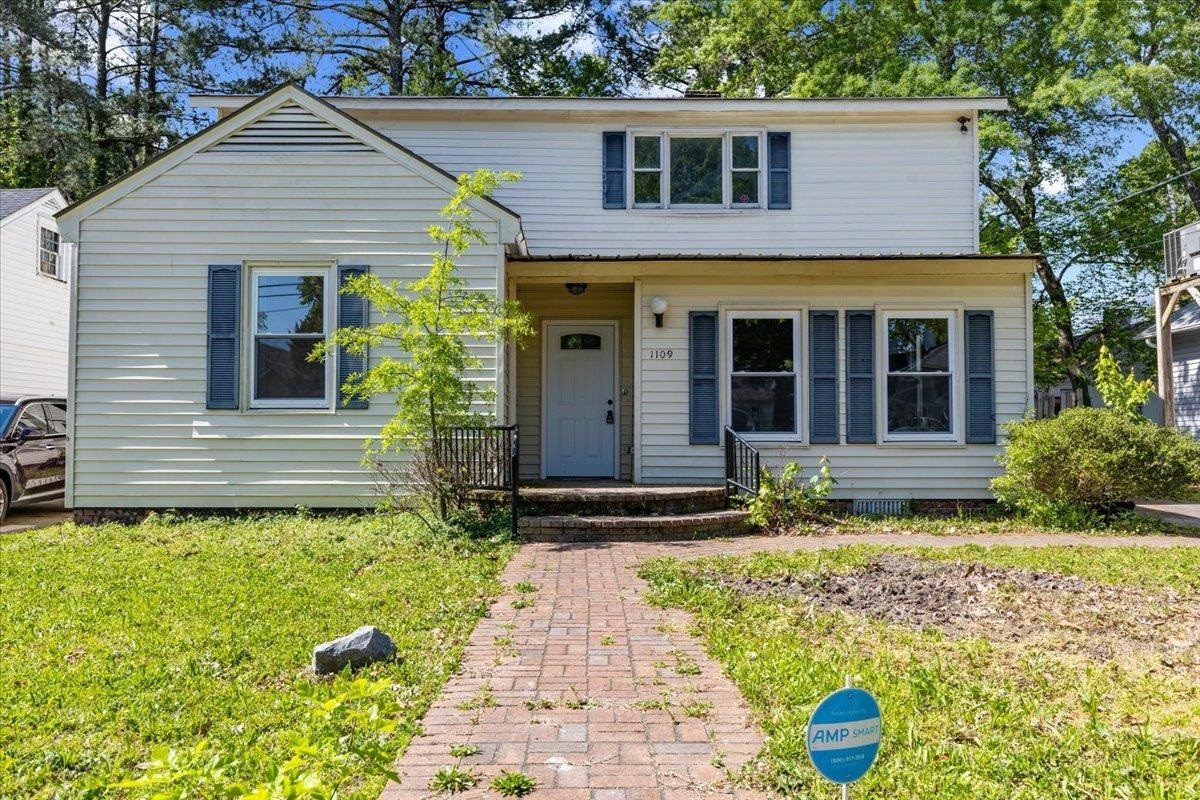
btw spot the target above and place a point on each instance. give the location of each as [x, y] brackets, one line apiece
[100, 123]
[1176, 149]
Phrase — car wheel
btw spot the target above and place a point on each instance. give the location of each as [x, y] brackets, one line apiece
[3, 501]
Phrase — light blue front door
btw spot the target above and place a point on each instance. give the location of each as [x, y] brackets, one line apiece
[580, 401]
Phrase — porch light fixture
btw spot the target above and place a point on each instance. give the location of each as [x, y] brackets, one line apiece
[962, 124]
[659, 306]
[576, 289]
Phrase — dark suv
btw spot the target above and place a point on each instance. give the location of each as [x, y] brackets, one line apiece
[33, 450]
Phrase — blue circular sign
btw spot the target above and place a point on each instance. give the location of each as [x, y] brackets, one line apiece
[843, 735]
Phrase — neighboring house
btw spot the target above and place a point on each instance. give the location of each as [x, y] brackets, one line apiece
[35, 269]
[1185, 360]
[804, 270]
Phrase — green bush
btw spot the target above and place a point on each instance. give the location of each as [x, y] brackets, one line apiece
[1089, 461]
[785, 500]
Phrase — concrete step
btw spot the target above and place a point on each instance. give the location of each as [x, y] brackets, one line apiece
[561, 528]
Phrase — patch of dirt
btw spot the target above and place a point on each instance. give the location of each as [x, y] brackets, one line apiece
[1065, 612]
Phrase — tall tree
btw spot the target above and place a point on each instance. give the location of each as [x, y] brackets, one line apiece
[1036, 159]
[1144, 56]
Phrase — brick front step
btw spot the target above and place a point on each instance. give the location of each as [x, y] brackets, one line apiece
[613, 500]
[596, 528]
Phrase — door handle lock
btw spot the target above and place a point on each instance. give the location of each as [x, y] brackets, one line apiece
[609, 417]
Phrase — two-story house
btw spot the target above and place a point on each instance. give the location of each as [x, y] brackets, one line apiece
[805, 272]
[35, 268]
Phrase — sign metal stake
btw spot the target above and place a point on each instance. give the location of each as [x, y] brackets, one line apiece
[846, 786]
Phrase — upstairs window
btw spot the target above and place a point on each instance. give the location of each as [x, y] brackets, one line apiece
[48, 243]
[685, 169]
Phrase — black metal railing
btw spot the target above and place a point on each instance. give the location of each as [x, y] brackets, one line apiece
[742, 466]
[484, 458]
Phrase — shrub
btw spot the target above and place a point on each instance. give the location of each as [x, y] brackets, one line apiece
[1122, 392]
[1089, 461]
[784, 500]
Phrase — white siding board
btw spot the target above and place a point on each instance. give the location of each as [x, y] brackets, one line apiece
[142, 434]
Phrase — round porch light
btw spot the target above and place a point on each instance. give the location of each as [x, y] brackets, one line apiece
[659, 307]
[576, 289]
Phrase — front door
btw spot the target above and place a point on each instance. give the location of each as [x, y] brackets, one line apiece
[580, 401]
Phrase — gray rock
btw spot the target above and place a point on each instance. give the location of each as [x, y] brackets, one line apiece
[365, 646]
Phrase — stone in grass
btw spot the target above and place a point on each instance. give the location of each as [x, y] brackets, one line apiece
[365, 646]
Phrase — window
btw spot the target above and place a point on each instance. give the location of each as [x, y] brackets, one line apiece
[56, 415]
[33, 423]
[744, 166]
[289, 319]
[920, 376]
[764, 369]
[48, 251]
[647, 170]
[696, 170]
[579, 341]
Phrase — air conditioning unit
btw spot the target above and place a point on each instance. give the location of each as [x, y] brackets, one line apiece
[1181, 252]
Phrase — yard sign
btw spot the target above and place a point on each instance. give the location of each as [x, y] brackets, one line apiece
[843, 735]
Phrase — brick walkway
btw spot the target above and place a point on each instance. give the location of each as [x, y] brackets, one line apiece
[588, 689]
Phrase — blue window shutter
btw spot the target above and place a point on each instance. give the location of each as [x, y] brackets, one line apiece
[702, 366]
[224, 325]
[823, 379]
[860, 376]
[779, 170]
[981, 378]
[352, 313]
[614, 169]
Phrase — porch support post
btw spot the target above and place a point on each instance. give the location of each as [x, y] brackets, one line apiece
[1165, 299]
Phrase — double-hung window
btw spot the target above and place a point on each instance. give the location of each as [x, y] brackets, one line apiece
[696, 169]
[764, 372]
[920, 366]
[290, 316]
[48, 247]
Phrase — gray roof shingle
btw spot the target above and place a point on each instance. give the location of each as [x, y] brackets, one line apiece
[12, 200]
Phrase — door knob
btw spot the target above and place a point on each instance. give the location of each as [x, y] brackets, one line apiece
[609, 417]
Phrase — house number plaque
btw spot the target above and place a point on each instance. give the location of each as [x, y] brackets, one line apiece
[660, 355]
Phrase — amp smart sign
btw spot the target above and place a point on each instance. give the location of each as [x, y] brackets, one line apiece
[843, 735]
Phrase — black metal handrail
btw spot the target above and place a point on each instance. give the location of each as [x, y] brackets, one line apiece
[742, 466]
[486, 458]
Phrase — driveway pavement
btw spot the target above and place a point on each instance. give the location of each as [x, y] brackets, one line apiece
[1177, 513]
[39, 515]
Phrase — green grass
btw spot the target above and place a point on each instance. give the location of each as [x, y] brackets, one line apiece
[966, 717]
[993, 521]
[119, 638]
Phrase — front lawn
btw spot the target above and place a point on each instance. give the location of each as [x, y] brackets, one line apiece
[1002, 672]
[119, 638]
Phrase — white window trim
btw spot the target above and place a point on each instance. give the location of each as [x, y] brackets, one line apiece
[44, 224]
[664, 160]
[954, 319]
[326, 271]
[797, 316]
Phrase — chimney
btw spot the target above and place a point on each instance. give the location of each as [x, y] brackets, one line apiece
[702, 94]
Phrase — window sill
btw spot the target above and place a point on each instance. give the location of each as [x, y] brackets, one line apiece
[921, 442]
[698, 211]
[54, 278]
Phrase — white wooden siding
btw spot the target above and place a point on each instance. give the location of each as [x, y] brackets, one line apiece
[942, 471]
[34, 308]
[142, 434]
[860, 185]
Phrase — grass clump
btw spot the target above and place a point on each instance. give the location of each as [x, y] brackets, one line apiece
[525, 587]
[452, 780]
[513, 784]
[178, 633]
[464, 750]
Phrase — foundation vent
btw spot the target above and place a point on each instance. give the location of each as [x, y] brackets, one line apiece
[882, 508]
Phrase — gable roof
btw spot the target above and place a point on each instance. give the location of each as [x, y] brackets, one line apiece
[1186, 318]
[13, 200]
[288, 94]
